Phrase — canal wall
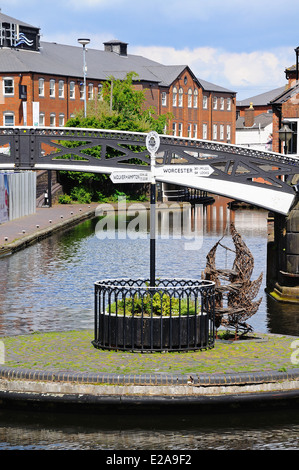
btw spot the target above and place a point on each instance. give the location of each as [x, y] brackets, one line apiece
[283, 256]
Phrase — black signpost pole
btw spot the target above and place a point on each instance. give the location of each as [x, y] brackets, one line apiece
[153, 144]
[153, 236]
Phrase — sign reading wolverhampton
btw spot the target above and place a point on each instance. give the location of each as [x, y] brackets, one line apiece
[130, 177]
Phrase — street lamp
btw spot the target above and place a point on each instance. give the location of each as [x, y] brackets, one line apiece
[84, 43]
[285, 135]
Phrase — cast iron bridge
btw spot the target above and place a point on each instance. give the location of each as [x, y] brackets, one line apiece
[260, 178]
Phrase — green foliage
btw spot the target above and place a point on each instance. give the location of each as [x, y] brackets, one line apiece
[121, 107]
[80, 194]
[159, 304]
[65, 199]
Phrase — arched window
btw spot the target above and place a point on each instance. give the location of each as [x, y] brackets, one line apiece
[174, 96]
[181, 97]
[189, 98]
[195, 99]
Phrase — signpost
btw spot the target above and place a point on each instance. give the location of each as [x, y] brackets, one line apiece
[152, 145]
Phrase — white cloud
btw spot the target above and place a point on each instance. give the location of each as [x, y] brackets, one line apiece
[258, 70]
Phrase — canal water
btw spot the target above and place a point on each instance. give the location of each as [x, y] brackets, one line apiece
[49, 287]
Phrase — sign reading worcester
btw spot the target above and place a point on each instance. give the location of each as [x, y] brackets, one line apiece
[191, 170]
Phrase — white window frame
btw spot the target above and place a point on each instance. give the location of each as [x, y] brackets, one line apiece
[228, 104]
[7, 87]
[190, 93]
[41, 119]
[181, 93]
[163, 98]
[41, 87]
[215, 102]
[205, 102]
[180, 129]
[174, 129]
[174, 97]
[72, 90]
[221, 132]
[228, 132]
[52, 88]
[81, 91]
[195, 99]
[194, 131]
[189, 131]
[7, 114]
[90, 91]
[215, 133]
[61, 89]
[222, 103]
[53, 120]
[61, 118]
[205, 131]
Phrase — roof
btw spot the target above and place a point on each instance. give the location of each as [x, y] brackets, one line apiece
[9, 19]
[260, 122]
[63, 60]
[208, 86]
[166, 74]
[262, 99]
[286, 95]
[58, 59]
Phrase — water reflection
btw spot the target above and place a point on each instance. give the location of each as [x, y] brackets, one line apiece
[242, 431]
[49, 286]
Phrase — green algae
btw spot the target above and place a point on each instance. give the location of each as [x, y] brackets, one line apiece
[73, 351]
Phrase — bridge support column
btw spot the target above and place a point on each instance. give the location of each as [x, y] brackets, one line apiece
[283, 257]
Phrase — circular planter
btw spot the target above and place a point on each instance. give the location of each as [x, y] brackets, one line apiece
[173, 315]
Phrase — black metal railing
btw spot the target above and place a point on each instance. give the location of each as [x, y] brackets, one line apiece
[175, 315]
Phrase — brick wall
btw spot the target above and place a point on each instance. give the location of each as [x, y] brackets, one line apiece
[187, 116]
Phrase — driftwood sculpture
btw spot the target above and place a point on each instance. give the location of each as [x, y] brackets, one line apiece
[234, 296]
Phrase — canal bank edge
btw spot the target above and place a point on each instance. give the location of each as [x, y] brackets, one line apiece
[21, 241]
[22, 387]
[55, 392]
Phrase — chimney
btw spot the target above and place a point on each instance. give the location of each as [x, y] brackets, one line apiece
[118, 47]
[249, 116]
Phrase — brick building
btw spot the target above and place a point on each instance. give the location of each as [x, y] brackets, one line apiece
[260, 103]
[281, 105]
[42, 84]
[286, 109]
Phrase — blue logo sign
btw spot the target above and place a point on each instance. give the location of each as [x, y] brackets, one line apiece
[24, 40]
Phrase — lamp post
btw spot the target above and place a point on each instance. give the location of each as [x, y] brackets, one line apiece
[285, 135]
[84, 42]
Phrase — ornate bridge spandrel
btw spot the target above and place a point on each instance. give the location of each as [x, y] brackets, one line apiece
[258, 177]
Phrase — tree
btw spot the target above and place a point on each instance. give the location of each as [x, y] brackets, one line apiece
[120, 107]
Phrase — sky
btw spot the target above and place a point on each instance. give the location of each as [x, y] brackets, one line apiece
[241, 45]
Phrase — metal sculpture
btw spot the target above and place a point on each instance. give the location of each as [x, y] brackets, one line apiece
[234, 291]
